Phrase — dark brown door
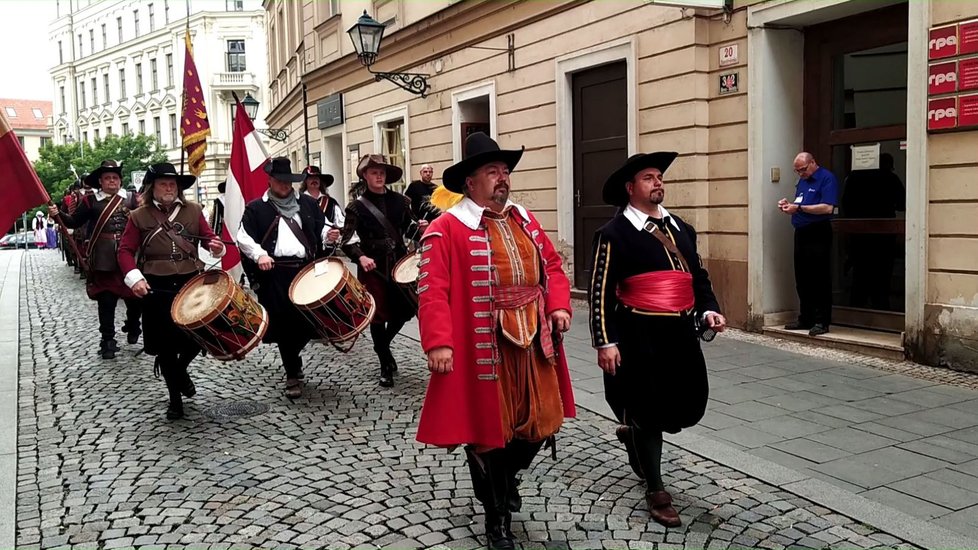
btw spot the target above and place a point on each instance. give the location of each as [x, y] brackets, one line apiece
[600, 146]
[856, 95]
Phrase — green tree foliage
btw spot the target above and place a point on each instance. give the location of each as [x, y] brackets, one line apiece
[134, 152]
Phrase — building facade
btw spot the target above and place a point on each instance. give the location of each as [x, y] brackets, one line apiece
[120, 70]
[738, 90]
[31, 121]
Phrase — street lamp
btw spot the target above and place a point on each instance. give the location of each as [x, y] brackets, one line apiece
[251, 107]
[366, 36]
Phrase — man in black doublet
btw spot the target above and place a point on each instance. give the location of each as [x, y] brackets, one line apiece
[648, 293]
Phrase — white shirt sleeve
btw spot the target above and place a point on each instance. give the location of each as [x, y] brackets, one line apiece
[133, 277]
[248, 246]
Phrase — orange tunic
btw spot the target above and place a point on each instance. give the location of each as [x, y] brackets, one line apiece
[529, 392]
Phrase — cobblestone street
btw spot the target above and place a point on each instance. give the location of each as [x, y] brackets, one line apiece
[100, 467]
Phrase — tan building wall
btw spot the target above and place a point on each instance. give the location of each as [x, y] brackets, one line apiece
[951, 311]
[719, 184]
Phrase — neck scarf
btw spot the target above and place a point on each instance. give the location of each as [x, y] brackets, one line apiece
[287, 207]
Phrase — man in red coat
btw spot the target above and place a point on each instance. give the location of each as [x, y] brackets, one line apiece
[493, 300]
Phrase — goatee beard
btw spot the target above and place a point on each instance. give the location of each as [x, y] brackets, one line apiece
[501, 198]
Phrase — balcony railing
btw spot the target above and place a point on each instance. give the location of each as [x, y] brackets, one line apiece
[234, 81]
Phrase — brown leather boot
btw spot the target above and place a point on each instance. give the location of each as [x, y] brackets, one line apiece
[661, 510]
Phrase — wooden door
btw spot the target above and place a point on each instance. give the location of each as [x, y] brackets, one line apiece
[600, 102]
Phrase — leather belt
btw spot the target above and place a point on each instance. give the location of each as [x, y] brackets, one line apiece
[175, 257]
[110, 236]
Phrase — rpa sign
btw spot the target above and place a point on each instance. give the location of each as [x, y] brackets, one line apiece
[942, 114]
[942, 78]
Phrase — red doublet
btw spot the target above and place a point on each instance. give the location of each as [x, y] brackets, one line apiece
[456, 310]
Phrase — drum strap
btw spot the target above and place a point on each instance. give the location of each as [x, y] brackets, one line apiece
[297, 231]
[381, 218]
[103, 219]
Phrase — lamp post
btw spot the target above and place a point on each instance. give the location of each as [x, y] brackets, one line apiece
[251, 107]
[366, 35]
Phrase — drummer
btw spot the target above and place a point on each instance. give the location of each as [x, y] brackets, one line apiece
[316, 185]
[158, 254]
[376, 225]
[280, 233]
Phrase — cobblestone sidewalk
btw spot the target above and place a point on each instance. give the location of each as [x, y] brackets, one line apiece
[100, 467]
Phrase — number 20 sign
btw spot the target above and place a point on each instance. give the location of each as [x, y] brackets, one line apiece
[728, 55]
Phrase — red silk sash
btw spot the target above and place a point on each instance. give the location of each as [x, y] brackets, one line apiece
[511, 297]
[659, 291]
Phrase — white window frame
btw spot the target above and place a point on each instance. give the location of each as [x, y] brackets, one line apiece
[486, 89]
[389, 116]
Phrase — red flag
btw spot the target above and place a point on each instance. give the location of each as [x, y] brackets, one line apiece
[194, 127]
[247, 181]
[20, 190]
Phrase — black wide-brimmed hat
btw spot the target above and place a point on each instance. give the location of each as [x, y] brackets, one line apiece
[614, 192]
[480, 150]
[394, 172]
[166, 170]
[280, 168]
[92, 180]
[325, 180]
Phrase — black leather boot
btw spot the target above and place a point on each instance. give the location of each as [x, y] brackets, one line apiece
[386, 374]
[498, 516]
[107, 348]
[132, 333]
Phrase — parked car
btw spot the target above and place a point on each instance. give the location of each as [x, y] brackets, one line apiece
[17, 240]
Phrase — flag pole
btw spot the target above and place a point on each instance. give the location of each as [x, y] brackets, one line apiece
[82, 260]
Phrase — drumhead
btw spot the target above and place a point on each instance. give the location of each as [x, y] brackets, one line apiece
[197, 300]
[308, 288]
[406, 270]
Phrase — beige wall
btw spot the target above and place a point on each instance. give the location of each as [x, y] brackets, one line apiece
[678, 109]
[951, 334]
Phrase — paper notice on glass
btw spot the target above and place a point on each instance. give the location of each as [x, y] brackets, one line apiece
[865, 157]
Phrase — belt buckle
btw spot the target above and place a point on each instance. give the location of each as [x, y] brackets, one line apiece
[176, 257]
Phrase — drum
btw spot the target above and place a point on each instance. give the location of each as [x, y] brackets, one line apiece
[219, 315]
[405, 274]
[336, 304]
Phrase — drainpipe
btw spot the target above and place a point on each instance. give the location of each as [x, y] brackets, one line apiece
[305, 125]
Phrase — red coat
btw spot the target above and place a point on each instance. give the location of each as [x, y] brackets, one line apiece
[462, 407]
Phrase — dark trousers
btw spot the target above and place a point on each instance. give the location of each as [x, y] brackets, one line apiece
[290, 346]
[813, 273]
[383, 334]
[106, 313]
[173, 366]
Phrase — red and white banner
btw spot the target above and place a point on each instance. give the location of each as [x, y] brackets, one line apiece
[20, 190]
[247, 181]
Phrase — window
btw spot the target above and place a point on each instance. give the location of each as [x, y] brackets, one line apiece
[91, 39]
[94, 92]
[139, 78]
[152, 18]
[391, 139]
[80, 44]
[61, 92]
[234, 5]
[20, 139]
[97, 134]
[81, 96]
[473, 110]
[37, 113]
[154, 75]
[135, 21]
[125, 128]
[122, 83]
[166, 12]
[105, 84]
[45, 141]
[236, 56]
[85, 135]
[173, 130]
[11, 112]
[334, 8]
[142, 127]
[61, 53]
[118, 25]
[105, 37]
[156, 130]
[169, 69]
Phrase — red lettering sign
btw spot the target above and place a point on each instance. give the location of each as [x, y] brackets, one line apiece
[942, 113]
[968, 37]
[943, 78]
[943, 42]
[968, 110]
[968, 74]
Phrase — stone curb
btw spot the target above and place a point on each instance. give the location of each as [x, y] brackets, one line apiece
[10, 264]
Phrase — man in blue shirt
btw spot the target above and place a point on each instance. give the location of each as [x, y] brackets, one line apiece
[816, 196]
